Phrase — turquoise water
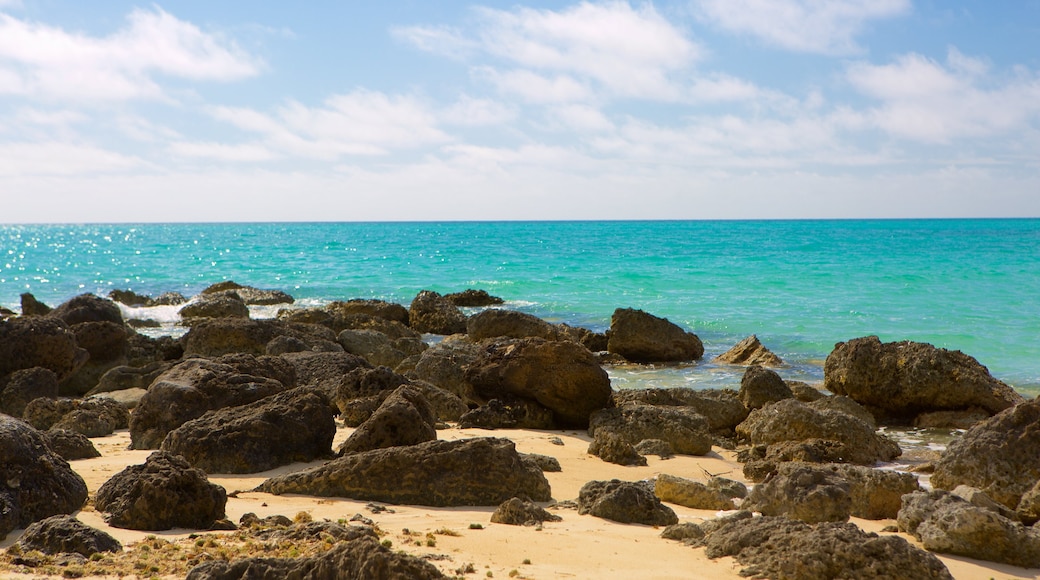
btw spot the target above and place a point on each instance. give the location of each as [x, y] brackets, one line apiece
[800, 286]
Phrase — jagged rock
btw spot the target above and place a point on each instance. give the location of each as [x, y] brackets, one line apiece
[496, 323]
[219, 336]
[625, 502]
[361, 558]
[35, 482]
[517, 512]
[645, 338]
[613, 448]
[481, 471]
[749, 351]
[130, 298]
[471, 297]
[778, 547]
[721, 407]
[561, 375]
[88, 308]
[508, 413]
[430, 312]
[33, 307]
[804, 492]
[998, 456]
[195, 386]
[444, 364]
[760, 386]
[162, 493]
[21, 387]
[682, 427]
[377, 308]
[904, 379]
[948, 524]
[70, 445]
[249, 294]
[692, 494]
[404, 418]
[65, 534]
[290, 426]
[792, 420]
[34, 341]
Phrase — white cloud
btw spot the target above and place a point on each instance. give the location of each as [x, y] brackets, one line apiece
[815, 26]
[583, 118]
[57, 159]
[532, 87]
[923, 100]
[469, 111]
[39, 60]
[449, 42]
[222, 152]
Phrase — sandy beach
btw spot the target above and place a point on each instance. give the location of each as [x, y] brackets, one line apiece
[464, 540]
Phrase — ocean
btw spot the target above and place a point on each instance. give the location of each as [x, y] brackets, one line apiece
[801, 286]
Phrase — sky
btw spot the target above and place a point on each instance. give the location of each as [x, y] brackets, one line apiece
[412, 110]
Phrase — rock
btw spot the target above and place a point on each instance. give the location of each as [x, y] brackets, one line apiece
[947, 524]
[561, 375]
[804, 492]
[324, 370]
[225, 305]
[108, 345]
[21, 387]
[123, 377]
[35, 482]
[446, 406]
[195, 386]
[432, 313]
[144, 350]
[377, 308]
[806, 393]
[544, 462]
[294, 425]
[683, 532]
[130, 298]
[404, 418]
[128, 398]
[613, 448]
[517, 512]
[1028, 509]
[91, 417]
[876, 494]
[249, 294]
[360, 558]
[998, 456]
[761, 461]
[378, 348]
[65, 534]
[658, 447]
[496, 323]
[749, 352]
[33, 307]
[164, 492]
[284, 344]
[367, 382]
[792, 420]
[444, 364]
[70, 445]
[760, 386]
[481, 471]
[778, 547]
[645, 338]
[88, 308]
[683, 428]
[965, 419]
[845, 405]
[28, 342]
[474, 298]
[169, 299]
[691, 494]
[722, 407]
[977, 497]
[219, 336]
[904, 379]
[625, 502]
[508, 413]
[311, 531]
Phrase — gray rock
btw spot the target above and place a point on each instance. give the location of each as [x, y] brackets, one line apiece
[642, 337]
[625, 502]
[65, 534]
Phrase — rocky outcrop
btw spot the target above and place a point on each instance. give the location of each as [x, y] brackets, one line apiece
[481, 471]
[473, 298]
[998, 456]
[195, 386]
[65, 534]
[378, 348]
[444, 365]
[508, 413]
[496, 323]
[625, 502]
[518, 512]
[91, 417]
[290, 426]
[249, 294]
[682, 427]
[220, 336]
[28, 342]
[803, 492]
[561, 375]
[88, 308]
[760, 386]
[33, 307]
[645, 338]
[21, 387]
[35, 482]
[948, 524]
[162, 493]
[899, 380]
[432, 313]
[377, 308]
[721, 407]
[613, 448]
[222, 305]
[403, 418]
[747, 352]
[716, 494]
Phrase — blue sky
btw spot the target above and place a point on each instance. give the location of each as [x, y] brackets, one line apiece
[418, 110]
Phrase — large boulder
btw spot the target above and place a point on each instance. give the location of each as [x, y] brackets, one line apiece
[249, 294]
[561, 375]
[379, 348]
[508, 413]
[625, 502]
[88, 308]
[469, 472]
[220, 336]
[445, 363]
[475, 298]
[900, 380]
[108, 345]
[377, 308]
[195, 386]
[760, 386]
[162, 493]
[682, 427]
[35, 482]
[998, 456]
[65, 534]
[496, 322]
[721, 407]
[432, 313]
[290, 426]
[802, 492]
[792, 420]
[27, 342]
[948, 524]
[223, 305]
[645, 338]
[749, 351]
[403, 418]
[21, 387]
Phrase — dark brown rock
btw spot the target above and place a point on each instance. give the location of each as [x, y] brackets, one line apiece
[377, 308]
[27, 342]
[496, 323]
[613, 448]
[760, 386]
[432, 313]
[404, 418]
[70, 445]
[220, 336]
[224, 305]
[625, 502]
[471, 297]
[518, 512]
[721, 407]
[248, 294]
[21, 387]
[749, 351]
[124, 377]
[88, 308]
[508, 413]
[33, 307]
[65, 534]
[379, 348]
[162, 493]
[642, 337]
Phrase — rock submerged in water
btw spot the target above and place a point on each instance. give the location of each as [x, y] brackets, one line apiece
[749, 351]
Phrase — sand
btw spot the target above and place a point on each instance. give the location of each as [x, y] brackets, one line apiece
[576, 547]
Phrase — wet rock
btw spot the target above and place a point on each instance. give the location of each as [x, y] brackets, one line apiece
[760, 386]
[249, 294]
[294, 425]
[65, 534]
[747, 352]
[683, 428]
[35, 482]
[561, 375]
[219, 336]
[473, 298]
[645, 338]
[517, 512]
[28, 342]
[21, 387]
[162, 493]
[901, 380]
[508, 413]
[430, 312]
[496, 323]
[481, 471]
[625, 502]
[692, 494]
[998, 456]
[70, 445]
[403, 418]
[613, 448]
